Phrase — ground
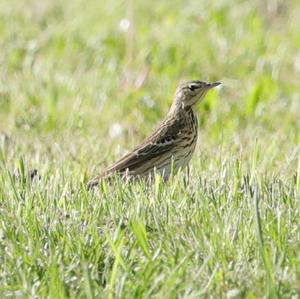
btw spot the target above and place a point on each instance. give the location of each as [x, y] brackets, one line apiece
[82, 82]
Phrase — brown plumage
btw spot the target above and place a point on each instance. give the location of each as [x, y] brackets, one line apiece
[172, 143]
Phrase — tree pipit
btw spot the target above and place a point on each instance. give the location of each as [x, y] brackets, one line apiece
[172, 143]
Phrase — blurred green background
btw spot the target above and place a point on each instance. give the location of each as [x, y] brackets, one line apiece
[80, 77]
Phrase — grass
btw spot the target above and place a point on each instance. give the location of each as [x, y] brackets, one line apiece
[78, 88]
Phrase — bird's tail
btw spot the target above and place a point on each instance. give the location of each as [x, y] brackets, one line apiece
[96, 180]
[93, 183]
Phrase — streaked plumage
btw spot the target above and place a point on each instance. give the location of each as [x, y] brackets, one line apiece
[173, 141]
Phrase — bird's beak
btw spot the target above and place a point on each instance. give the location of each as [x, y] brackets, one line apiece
[212, 85]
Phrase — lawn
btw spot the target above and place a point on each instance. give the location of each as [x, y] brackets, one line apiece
[82, 82]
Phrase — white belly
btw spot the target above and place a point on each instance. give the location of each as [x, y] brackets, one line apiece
[180, 160]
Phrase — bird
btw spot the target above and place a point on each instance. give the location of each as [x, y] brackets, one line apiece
[171, 145]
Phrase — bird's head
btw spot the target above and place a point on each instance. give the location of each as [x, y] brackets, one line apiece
[189, 93]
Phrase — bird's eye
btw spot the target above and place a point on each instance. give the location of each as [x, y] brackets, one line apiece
[192, 87]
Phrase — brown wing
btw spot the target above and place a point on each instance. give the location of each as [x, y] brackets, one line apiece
[138, 157]
[158, 143]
